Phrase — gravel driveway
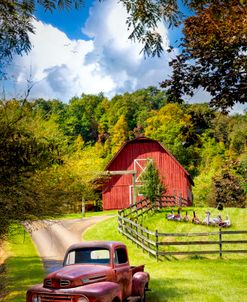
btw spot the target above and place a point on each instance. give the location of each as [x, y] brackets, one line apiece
[52, 238]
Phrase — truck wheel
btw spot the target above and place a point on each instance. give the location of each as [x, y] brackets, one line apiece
[143, 298]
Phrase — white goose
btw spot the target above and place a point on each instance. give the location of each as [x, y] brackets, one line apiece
[208, 220]
[170, 216]
[226, 223]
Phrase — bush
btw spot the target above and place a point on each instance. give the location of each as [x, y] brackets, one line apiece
[227, 190]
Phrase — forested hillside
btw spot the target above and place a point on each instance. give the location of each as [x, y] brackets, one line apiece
[52, 151]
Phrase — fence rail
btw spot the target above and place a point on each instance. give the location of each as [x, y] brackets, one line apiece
[141, 207]
[158, 244]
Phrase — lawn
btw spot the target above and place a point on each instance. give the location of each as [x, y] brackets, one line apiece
[194, 279]
[158, 221]
[23, 267]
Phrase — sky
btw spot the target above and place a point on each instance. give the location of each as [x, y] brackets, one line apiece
[85, 51]
[88, 51]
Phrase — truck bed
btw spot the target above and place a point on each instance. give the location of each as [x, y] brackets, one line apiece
[135, 269]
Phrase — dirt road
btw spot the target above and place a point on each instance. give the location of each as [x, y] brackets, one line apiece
[52, 238]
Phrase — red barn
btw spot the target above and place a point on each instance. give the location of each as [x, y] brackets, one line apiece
[133, 156]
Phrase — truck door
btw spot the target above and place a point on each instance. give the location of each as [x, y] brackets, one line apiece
[123, 272]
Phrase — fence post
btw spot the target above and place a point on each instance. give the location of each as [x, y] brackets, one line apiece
[118, 216]
[142, 238]
[148, 242]
[220, 242]
[137, 235]
[157, 246]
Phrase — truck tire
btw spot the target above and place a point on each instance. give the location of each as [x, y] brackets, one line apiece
[143, 299]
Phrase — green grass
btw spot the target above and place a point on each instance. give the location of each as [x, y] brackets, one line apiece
[194, 279]
[87, 214]
[158, 221]
[23, 266]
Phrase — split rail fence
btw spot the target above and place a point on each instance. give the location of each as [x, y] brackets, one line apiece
[161, 245]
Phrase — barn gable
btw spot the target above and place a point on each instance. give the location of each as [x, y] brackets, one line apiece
[134, 155]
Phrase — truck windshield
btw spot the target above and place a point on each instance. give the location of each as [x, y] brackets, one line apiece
[88, 255]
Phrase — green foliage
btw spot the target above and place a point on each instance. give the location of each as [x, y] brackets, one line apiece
[212, 156]
[238, 134]
[172, 126]
[227, 189]
[241, 171]
[153, 188]
[213, 54]
[119, 134]
[26, 145]
[136, 106]
[82, 117]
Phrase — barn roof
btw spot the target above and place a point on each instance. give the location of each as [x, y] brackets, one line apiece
[146, 139]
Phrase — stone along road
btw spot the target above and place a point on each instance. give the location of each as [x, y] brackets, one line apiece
[52, 238]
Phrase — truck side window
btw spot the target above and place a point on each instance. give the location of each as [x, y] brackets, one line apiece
[120, 256]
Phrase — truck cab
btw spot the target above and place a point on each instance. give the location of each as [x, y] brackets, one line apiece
[94, 271]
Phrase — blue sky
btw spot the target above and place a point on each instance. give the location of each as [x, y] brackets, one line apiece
[70, 22]
[86, 51]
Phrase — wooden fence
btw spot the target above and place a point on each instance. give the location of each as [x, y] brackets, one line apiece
[161, 245]
[144, 206]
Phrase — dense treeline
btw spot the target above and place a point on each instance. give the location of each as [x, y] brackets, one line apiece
[51, 151]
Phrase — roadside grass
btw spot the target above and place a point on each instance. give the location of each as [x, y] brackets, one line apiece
[23, 266]
[87, 214]
[190, 279]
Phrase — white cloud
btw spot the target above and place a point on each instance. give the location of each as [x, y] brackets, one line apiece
[109, 62]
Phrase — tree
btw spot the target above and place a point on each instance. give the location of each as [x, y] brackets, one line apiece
[16, 24]
[172, 126]
[26, 146]
[214, 55]
[119, 134]
[152, 188]
[227, 189]
[82, 117]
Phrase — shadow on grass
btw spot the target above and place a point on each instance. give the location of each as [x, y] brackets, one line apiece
[170, 289]
[22, 272]
[3, 281]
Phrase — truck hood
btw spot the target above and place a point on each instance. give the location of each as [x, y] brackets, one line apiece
[77, 275]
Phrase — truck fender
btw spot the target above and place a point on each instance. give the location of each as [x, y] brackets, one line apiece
[103, 291]
[140, 283]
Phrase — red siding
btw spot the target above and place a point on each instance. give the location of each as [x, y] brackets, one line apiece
[176, 179]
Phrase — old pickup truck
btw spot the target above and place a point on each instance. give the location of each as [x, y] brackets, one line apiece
[93, 271]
